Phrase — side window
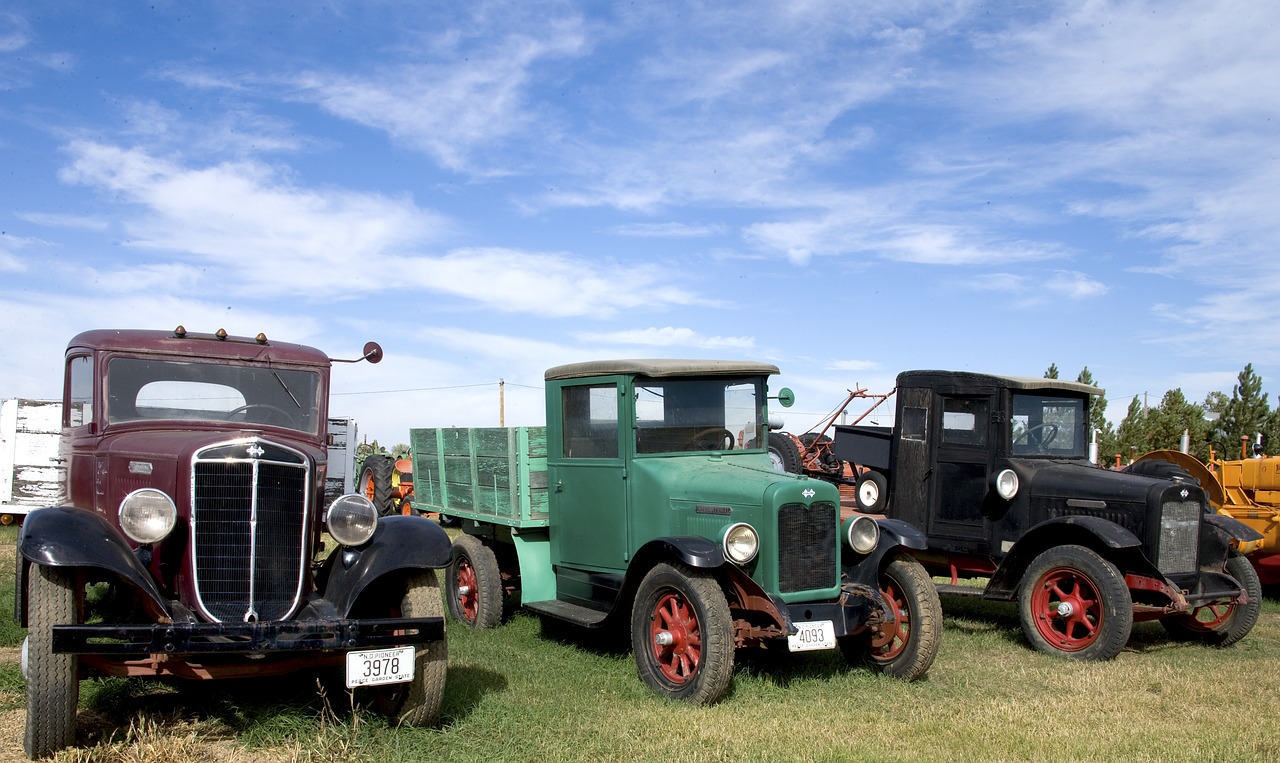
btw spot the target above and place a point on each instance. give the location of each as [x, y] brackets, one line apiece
[79, 409]
[590, 421]
[915, 423]
[964, 421]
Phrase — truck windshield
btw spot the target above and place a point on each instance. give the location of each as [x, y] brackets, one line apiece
[690, 415]
[1049, 425]
[145, 389]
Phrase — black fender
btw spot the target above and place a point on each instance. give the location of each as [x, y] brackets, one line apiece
[1233, 527]
[64, 536]
[864, 569]
[701, 553]
[902, 533]
[1102, 535]
[399, 543]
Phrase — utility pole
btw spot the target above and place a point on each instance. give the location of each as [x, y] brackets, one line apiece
[502, 402]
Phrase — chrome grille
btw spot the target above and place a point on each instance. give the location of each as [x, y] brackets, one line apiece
[1179, 537]
[248, 531]
[806, 547]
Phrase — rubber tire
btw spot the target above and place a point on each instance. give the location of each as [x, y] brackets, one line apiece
[53, 685]
[1235, 623]
[1165, 470]
[1113, 607]
[698, 594]
[784, 453]
[375, 483]
[417, 702]
[867, 481]
[906, 584]
[472, 557]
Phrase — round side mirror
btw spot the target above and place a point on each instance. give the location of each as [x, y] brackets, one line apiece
[786, 397]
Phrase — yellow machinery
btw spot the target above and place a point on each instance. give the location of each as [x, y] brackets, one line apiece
[1247, 489]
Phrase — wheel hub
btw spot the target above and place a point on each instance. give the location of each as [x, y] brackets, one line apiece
[1065, 609]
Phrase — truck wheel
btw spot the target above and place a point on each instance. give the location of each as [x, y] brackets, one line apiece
[417, 702]
[1222, 624]
[907, 649]
[682, 634]
[474, 584]
[784, 454]
[1073, 603]
[871, 491]
[53, 686]
[375, 483]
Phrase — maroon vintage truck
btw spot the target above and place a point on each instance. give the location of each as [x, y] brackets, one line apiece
[188, 543]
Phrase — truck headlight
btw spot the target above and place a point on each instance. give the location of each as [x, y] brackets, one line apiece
[863, 533]
[1007, 484]
[351, 519]
[741, 542]
[147, 515]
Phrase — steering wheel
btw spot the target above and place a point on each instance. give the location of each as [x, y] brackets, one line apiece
[1047, 433]
[722, 437]
[278, 415]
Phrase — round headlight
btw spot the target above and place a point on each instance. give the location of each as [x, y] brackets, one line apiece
[147, 515]
[1007, 484]
[351, 519]
[741, 542]
[863, 533]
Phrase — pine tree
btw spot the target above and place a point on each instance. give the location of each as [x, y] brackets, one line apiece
[1052, 373]
[1098, 422]
[1131, 438]
[1245, 415]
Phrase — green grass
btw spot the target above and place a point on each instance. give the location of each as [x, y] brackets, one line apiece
[517, 695]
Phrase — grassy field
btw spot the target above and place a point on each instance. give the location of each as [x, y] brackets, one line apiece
[515, 695]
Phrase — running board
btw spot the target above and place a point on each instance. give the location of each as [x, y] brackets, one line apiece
[574, 613]
[946, 589]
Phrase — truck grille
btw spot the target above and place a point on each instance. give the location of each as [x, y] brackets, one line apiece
[806, 547]
[1179, 537]
[249, 508]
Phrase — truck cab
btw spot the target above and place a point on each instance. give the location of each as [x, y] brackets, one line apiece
[996, 471]
[188, 540]
[649, 501]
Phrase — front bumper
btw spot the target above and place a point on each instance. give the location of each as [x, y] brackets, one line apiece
[246, 638]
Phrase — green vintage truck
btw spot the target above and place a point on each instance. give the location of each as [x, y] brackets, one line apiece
[650, 501]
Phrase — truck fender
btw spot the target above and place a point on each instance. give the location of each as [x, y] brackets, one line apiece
[64, 536]
[1101, 534]
[1233, 527]
[700, 553]
[903, 533]
[693, 550]
[399, 543]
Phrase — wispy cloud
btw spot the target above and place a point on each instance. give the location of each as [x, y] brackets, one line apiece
[668, 336]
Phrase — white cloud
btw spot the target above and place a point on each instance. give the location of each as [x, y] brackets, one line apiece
[669, 336]
[853, 365]
[1075, 285]
[667, 230]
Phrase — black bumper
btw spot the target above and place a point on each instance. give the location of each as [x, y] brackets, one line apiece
[246, 638]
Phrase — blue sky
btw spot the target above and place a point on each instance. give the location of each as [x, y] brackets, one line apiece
[488, 189]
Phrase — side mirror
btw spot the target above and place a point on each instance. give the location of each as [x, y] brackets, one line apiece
[372, 353]
[786, 398]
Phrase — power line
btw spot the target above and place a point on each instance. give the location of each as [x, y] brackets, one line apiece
[430, 389]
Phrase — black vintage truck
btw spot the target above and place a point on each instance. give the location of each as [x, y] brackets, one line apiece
[995, 470]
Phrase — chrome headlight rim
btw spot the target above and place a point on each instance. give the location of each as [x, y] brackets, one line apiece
[351, 519]
[147, 515]
[740, 543]
[1007, 484]
[862, 534]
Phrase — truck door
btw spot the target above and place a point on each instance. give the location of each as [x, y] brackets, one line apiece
[963, 460]
[587, 478]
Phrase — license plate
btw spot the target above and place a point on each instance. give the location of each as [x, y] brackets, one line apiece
[819, 634]
[380, 666]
